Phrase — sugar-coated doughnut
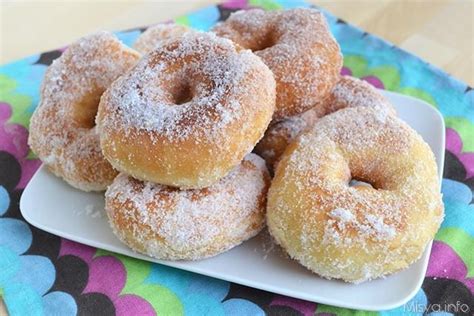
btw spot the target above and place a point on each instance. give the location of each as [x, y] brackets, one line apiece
[168, 223]
[355, 233]
[156, 34]
[353, 92]
[280, 134]
[188, 112]
[297, 46]
[62, 130]
[348, 92]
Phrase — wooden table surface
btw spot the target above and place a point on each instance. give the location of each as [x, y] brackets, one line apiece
[439, 31]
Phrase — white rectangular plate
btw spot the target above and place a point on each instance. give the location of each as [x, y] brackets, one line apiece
[50, 204]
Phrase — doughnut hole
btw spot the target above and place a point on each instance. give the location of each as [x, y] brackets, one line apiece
[181, 85]
[182, 94]
[265, 37]
[268, 40]
[363, 181]
[359, 184]
[85, 110]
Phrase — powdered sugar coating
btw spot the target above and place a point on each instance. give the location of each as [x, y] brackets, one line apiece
[348, 92]
[62, 131]
[229, 99]
[354, 92]
[142, 100]
[156, 34]
[168, 223]
[280, 134]
[297, 46]
[356, 233]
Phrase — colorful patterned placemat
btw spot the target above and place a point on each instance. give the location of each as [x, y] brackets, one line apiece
[41, 274]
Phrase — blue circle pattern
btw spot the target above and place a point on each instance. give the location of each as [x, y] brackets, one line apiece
[201, 295]
[4, 200]
[415, 307]
[25, 279]
[459, 213]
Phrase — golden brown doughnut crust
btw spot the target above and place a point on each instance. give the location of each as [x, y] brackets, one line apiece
[62, 131]
[297, 46]
[355, 233]
[188, 112]
[280, 134]
[156, 34]
[348, 92]
[172, 224]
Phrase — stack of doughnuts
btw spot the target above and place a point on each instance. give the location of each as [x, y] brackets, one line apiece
[184, 131]
[180, 127]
